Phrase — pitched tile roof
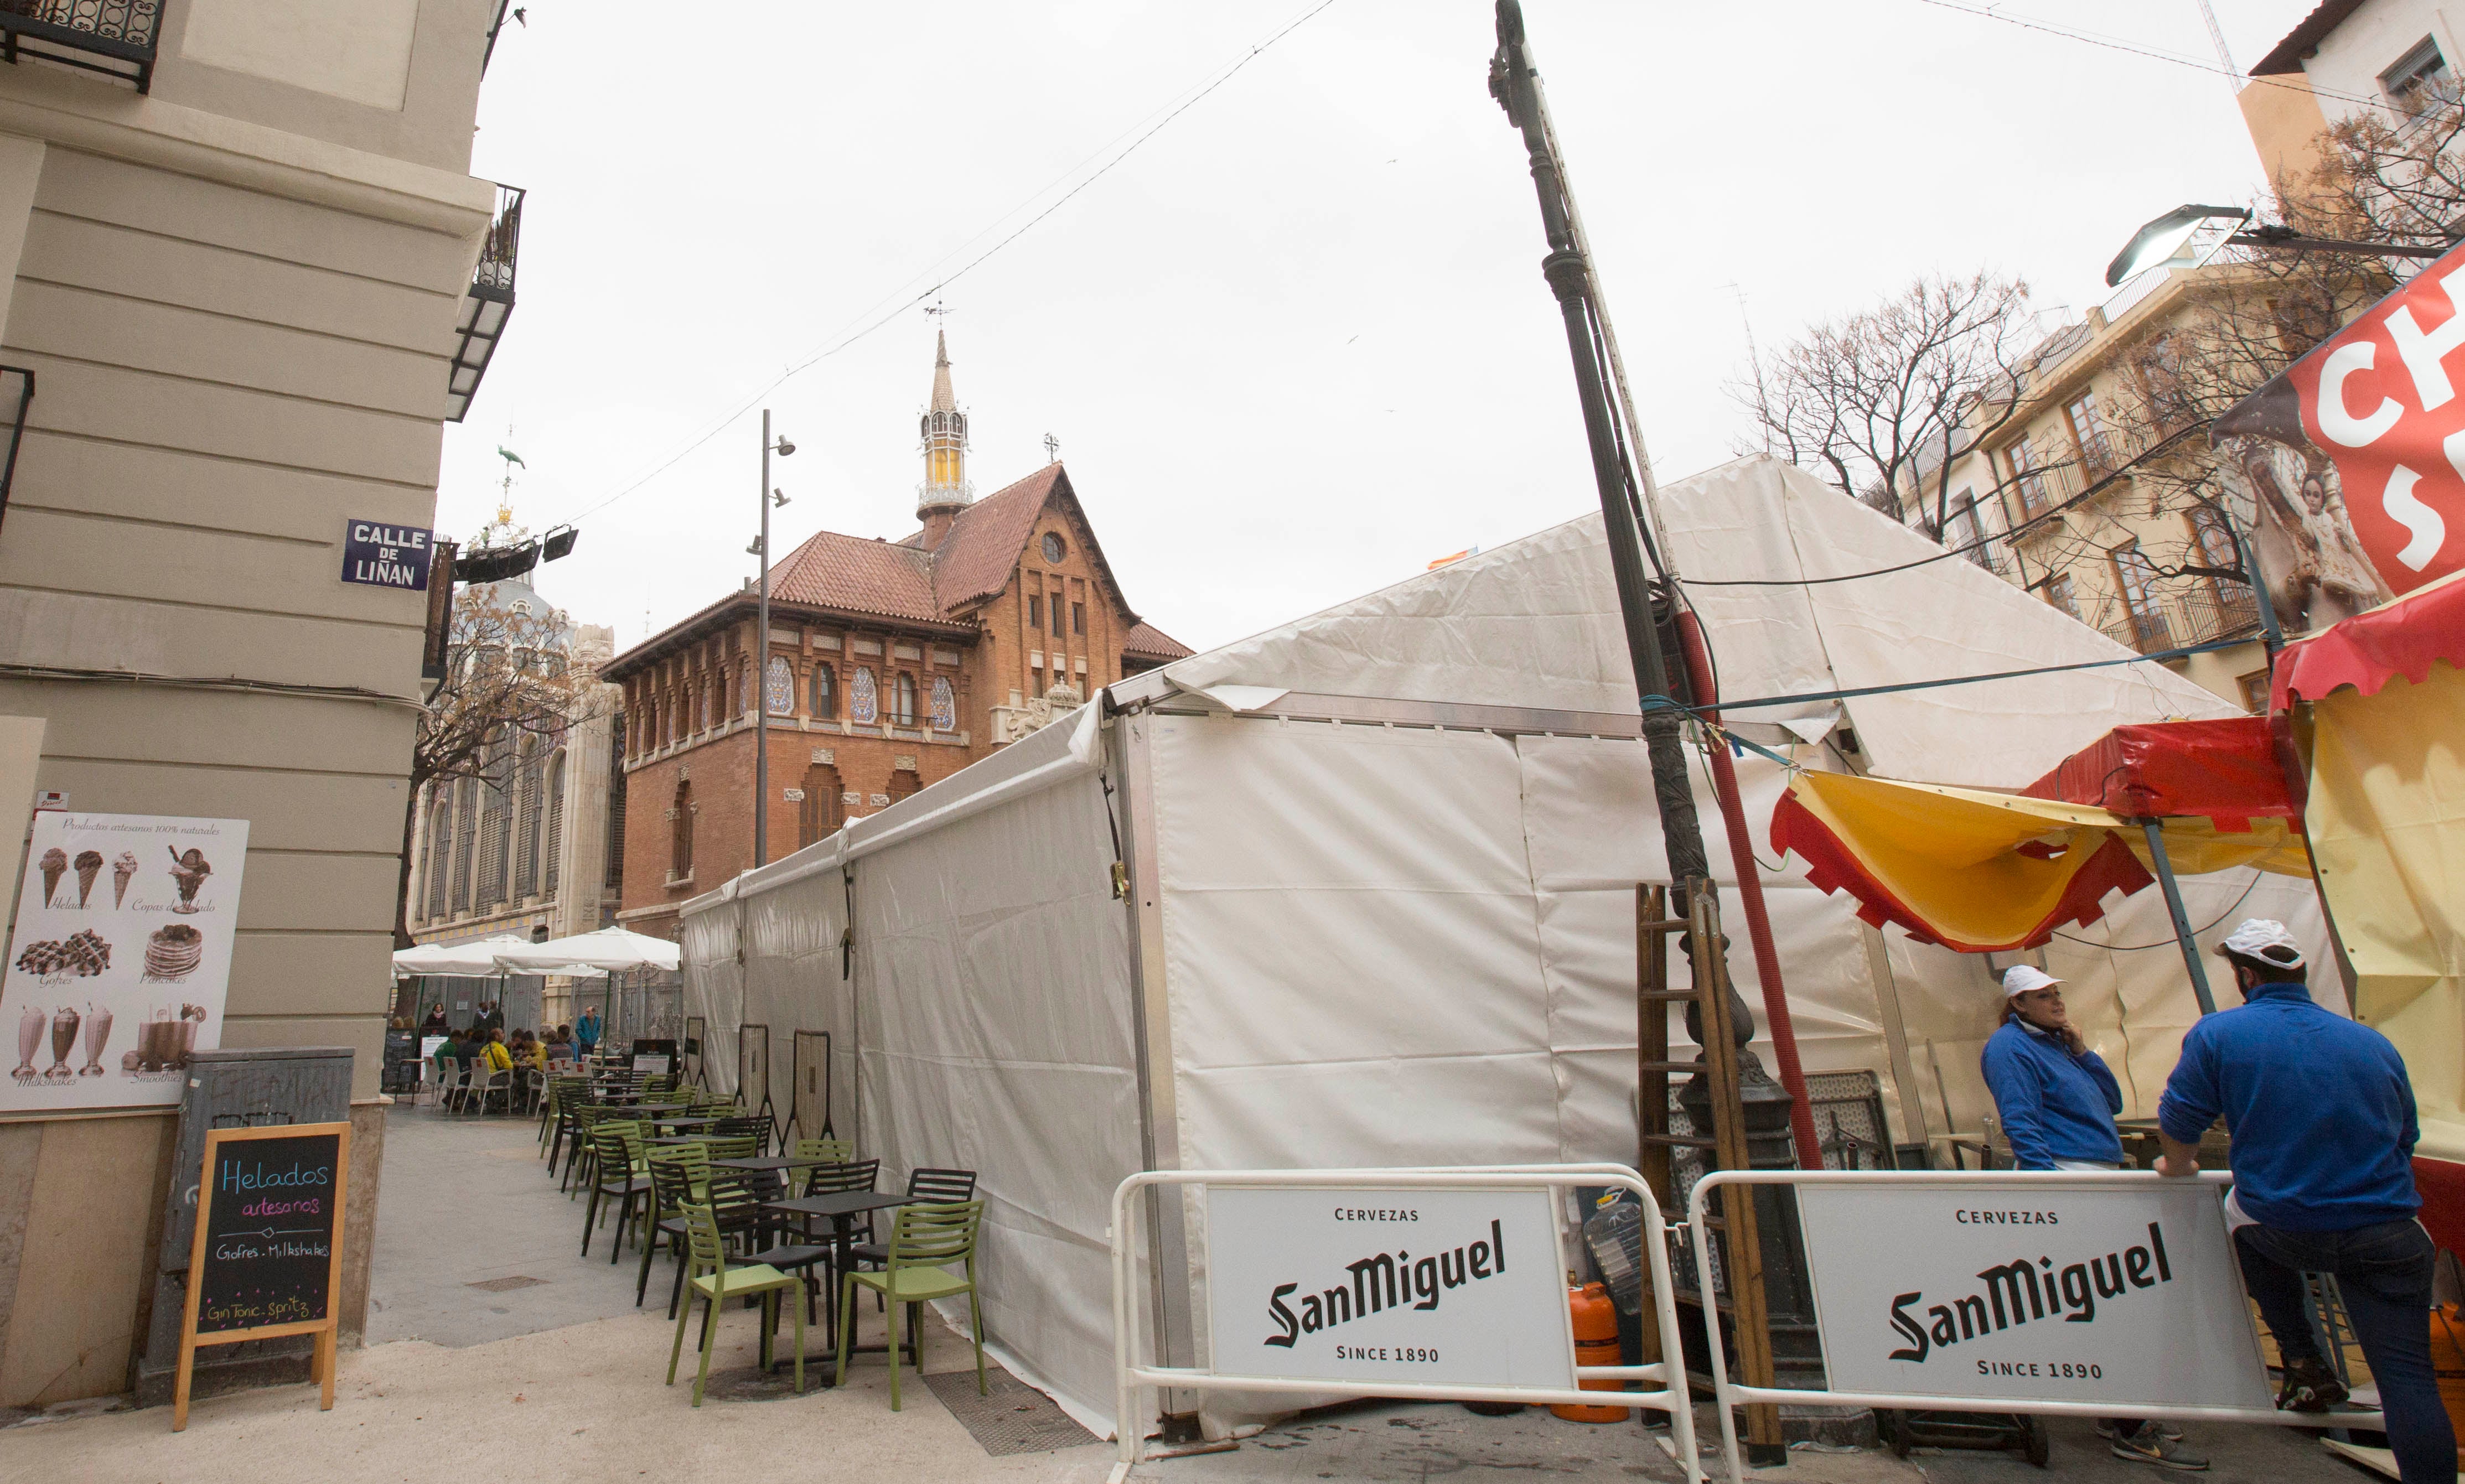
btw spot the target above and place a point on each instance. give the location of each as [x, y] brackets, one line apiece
[1148, 642]
[975, 559]
[862, 576]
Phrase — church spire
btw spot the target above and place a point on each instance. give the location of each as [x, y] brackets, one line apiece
[946, 490]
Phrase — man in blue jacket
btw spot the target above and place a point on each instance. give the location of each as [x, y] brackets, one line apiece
[2322, 1117]
[2058, 1100]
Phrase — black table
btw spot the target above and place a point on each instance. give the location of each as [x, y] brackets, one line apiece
[842, 1207]
[777, 1161]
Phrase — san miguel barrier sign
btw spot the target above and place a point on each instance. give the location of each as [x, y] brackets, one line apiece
[2083, 1294]
[1325, 1284]
[1444, 1284]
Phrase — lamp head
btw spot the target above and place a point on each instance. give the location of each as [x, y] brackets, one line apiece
[778, 498]
[2160, 244]
[784, 447]
[754, 548]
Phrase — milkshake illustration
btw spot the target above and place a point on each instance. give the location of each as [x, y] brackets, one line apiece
[29, 1040]
[98, 1031]
[189, 871]
[64, 1029]
[124, 870]
[54, 865]
[89, 865]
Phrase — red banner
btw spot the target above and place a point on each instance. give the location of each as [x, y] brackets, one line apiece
[2363, 490]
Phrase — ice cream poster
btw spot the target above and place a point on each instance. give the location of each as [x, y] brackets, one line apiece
[121, 959]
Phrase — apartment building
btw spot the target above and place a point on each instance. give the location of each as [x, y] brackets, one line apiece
[249, 276]
[2087, 492]
[2393, 59]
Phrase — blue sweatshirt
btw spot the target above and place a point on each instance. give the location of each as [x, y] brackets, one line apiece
[2318, 1107]
[2054, 1105]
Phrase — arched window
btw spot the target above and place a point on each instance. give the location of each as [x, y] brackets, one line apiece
[945, 705]
[902, 783]
[555, 818]
[821, 694]
[904, 713]
[864, 701]
[680, 840]
[779, 688]
[440, 850]
[823, 810]
[527, 813]
[466, 841]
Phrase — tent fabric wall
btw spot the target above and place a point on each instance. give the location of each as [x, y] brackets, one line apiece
[993, 998]
[714, 982]
[2388, 822]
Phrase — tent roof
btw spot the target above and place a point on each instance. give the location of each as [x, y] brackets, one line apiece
[2226, 769]
[473, 959]
[2400, 638]
[1535, 624]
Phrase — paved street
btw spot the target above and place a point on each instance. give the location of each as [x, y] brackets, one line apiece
[569, 1364]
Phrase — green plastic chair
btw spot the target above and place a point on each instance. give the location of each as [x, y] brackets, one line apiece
[715, 1282]
[743, 1146]
[925, 1242]
[838, 1151]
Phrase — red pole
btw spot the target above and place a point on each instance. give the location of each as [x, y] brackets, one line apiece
[1750, 888]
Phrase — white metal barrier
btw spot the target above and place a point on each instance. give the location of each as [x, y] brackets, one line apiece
[1131, 1374]
[2231, 1358]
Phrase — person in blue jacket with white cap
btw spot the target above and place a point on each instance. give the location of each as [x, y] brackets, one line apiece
[2058, 1100]
[2322, 1117]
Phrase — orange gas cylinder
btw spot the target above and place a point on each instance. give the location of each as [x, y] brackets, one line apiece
[1596, 1344]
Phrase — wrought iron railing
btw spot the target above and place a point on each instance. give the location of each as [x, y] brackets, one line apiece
[112, 37]
[489, 304]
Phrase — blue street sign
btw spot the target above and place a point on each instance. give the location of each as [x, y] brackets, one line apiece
[387, 556]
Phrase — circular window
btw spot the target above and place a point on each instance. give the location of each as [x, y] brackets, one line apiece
[1055, 548]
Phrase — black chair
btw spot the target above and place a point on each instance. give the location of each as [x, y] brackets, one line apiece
[839, 1179]
[927, 1188]
[757, 1127]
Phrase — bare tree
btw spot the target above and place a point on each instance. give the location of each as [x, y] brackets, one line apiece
[1869, 402]
[507, 676]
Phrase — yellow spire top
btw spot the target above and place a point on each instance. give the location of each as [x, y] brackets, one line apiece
[944, 435]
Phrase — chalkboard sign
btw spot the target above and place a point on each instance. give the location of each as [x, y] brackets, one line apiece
[268, 1258]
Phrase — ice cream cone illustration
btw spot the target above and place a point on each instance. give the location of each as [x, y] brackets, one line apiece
[98, 1031]
[124, 870]
[54, 865]
[89, 865]
[189, 871]
[29, 1040]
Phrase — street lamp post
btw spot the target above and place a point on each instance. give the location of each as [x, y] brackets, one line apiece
[762, 651]
[2164, 243]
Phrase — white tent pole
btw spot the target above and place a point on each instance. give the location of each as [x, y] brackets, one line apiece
[1152, 1031]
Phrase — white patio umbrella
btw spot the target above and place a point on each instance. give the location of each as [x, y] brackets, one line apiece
[611, 949]
[475, 960]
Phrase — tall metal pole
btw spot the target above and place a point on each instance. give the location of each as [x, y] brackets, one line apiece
[762, 670]
[2155, 832]
[1512, 82]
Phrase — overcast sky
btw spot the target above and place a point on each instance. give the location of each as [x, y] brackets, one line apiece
[1297, 343]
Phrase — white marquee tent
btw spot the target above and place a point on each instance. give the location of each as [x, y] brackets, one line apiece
[1381, 866]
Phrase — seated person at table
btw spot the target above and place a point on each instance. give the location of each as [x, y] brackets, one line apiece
[492, 1050]
[560, 1044]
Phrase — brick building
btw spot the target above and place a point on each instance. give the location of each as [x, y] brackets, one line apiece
[891, 665]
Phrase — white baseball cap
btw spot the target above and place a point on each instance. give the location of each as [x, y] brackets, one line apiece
[2263, 941]
[2021, 978]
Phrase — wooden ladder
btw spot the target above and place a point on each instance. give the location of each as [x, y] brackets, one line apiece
[1743, 1256]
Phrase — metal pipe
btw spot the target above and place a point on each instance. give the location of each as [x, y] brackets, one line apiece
[762, 670]
[2155, 830]
[1750, 890]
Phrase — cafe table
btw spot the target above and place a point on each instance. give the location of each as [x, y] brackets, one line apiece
[775, 1161]
[841, 1208]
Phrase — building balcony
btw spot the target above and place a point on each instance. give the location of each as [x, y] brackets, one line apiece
[488, 306]
[113, 38]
